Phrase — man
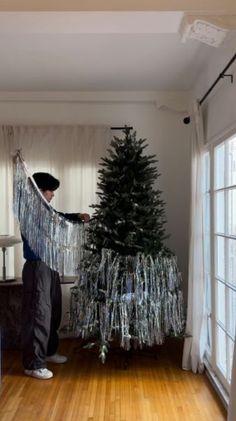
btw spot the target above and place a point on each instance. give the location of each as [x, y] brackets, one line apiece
[41, 309]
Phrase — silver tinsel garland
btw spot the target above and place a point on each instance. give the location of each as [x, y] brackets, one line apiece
[135, 299]
[57, 241]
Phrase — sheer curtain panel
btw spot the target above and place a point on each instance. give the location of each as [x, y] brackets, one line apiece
[194, 345]
[6, 191]
[70, 153]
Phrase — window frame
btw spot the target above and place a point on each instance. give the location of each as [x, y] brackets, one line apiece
[211, 353]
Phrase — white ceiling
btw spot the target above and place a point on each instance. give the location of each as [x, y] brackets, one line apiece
[97, 51]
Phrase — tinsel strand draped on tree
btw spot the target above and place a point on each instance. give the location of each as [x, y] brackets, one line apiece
[134, 298]
[57, 241]
[129, 283]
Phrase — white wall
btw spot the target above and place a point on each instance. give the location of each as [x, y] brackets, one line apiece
[219, 110]
[165, 132]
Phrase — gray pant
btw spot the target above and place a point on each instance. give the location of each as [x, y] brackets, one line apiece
[41, 313]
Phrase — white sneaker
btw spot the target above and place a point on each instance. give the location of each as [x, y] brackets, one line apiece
[56, 358]
[40, 373]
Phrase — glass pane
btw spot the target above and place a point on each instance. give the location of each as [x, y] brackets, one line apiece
[207, 254]
[219, 167]
[220, 212]
[232, 161]
[208, 292]
[231, 322]
[208, 309]
[231, 244]
[231, 353]
[206, 230]
[209, 338]
[220, 302]
[220, 258]
[206, 213]
[206, 186]
[231, 212]
[221, 349]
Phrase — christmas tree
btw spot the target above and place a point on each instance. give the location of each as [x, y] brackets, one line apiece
[130, 216]
[129, 286]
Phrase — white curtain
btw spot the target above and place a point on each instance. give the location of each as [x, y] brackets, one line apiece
[6, 190]
[194, 345]
[71, 153]
[232, 400]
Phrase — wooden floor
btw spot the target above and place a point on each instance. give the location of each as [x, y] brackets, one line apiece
[152, 388]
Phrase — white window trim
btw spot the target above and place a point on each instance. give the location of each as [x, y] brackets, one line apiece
[215, 376]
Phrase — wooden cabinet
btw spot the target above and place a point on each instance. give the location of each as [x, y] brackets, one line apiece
[10, 314]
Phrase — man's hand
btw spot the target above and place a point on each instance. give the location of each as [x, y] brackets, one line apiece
[85, 217]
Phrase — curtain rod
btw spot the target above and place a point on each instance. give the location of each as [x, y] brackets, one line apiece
[121, 128]
[187, 119]
[221, 76]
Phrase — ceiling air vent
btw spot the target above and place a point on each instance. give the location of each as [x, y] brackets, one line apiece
[211, 30]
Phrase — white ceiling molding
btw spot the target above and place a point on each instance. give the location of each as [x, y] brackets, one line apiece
[90, 22]
[81, 97]
[211, 30]
[146, 97]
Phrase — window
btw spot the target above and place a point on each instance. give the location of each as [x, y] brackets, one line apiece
[220, 255]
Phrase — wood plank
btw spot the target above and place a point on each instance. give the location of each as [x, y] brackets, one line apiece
[152, 388]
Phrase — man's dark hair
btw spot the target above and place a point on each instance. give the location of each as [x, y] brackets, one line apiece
[46, 181]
